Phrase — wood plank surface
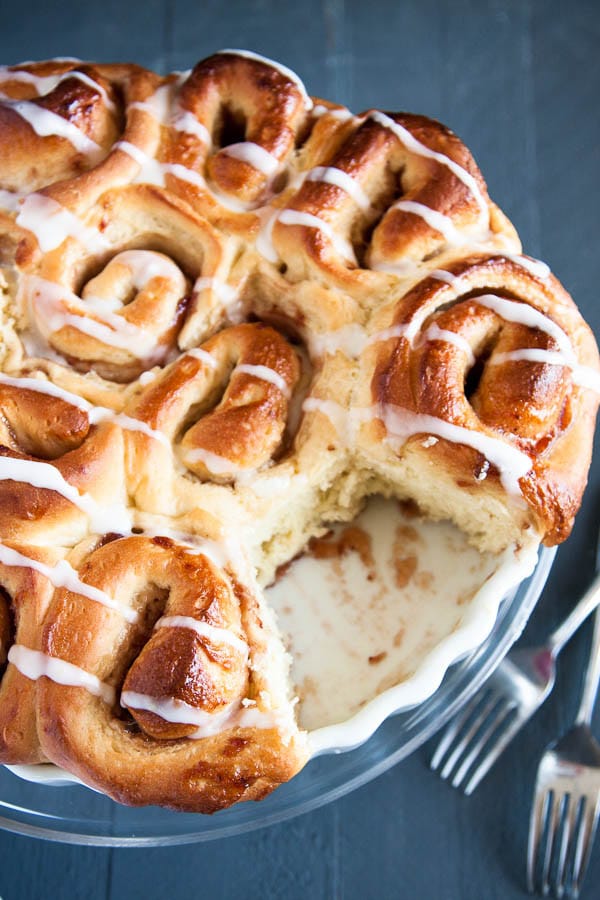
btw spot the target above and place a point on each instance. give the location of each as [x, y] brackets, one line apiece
[519, 80]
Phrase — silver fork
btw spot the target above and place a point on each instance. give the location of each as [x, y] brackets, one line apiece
[566, 803]
[475, 739]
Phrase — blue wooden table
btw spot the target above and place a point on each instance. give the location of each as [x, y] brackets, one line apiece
[519, 81]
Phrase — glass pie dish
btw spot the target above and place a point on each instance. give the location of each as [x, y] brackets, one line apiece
[41, 801]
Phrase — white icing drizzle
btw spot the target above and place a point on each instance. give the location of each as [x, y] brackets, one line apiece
[100, 305]
[203, 356]
[512, 464]
[166, 110]
[225, 292]
[216, 464]
[178, 712]
[264, 240]
[52, 223]
[47, 298]
[342, 114]
[408, 268]
[266, 374]
[341, 418]
[535, 267]
[435, 333]
[157, 104]
[186, 122]
[34, 664]
[151, 171]
[90, 82]
[350, 339]
[234, 715]
[184, 174]
[447, 277]
[115, 330]
[523, 314]
[584, 376]
[405, 268]
[95, 414]
[192, 177]
[415, 146]
[35, 62]
[101, 414]
[223, 553]
[307, 220]
[45, 84]
[436, 220]
[46, 124]
[145, 265]
[103, 518]
[254, 155]
[211, 632]
[510, 310]
[288, 73]
[345, 421]
[394, 331]
[63, 575]
[335, 176]
[538, 268]
[247, 151]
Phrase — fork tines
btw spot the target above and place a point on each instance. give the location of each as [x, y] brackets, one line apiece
[561, 832]
[475, 739]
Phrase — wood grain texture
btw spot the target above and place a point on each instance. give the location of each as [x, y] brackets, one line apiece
[519, 81]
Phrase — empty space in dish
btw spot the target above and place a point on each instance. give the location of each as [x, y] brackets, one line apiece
[367, 609]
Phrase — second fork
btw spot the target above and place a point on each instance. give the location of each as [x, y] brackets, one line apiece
[566, 804]
[474, 740]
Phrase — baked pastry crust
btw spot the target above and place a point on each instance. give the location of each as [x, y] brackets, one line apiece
[230, 312]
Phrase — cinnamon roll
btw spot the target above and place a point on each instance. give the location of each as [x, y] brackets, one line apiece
[118, 293]
[61, 474]
[484, 380]
[240, 382]
[57, 119]
[246, 112]
[177, 694]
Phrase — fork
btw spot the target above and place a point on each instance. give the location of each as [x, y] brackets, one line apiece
[475, 739]
[566, 804]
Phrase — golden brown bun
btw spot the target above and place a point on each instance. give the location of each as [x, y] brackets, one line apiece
[133, 754]
[485, 383]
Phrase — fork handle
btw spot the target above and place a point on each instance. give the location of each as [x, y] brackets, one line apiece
[576, 617]
[591, 678]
